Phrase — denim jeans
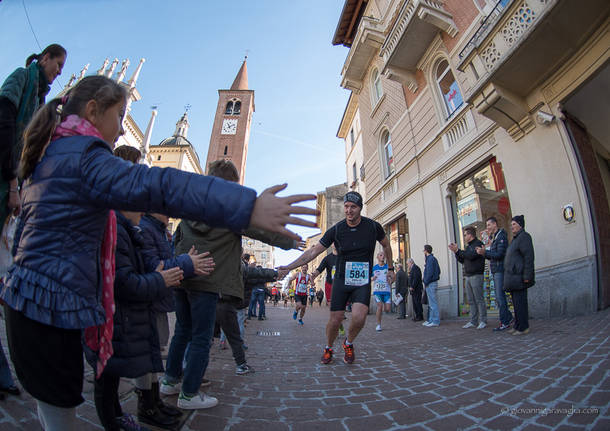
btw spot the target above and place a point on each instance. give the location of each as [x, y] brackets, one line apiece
[434, 315]
[252, 306]
[241, 317]
[195, 318]
[6, 379]
[260, 298]
[505, 314]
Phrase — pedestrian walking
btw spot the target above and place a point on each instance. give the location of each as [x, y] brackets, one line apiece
[432, 273]
[65, 235]
[474, 266]
[519, 272]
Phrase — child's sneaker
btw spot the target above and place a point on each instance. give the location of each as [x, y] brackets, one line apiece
[198, 401]
[244, 368]
[167, 388]
[128, 423]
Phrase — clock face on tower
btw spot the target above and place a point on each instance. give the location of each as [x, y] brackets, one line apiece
[229, 126]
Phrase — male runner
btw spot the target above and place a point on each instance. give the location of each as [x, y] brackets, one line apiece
[329, 263]
[381, 288]
[355, 239]
[301, 280]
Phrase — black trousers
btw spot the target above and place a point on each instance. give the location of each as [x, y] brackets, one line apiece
[226, 318]
[521, 314]
[106, 396]
[417, 307]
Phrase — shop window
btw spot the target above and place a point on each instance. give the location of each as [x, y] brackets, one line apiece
[480, 195]
[387, 155]
[397, 233]
[376, 89]
[449, 89]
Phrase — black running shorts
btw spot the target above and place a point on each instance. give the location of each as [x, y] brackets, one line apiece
[301, 299]
[342, 294]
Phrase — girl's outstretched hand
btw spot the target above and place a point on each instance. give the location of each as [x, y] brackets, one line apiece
[273, 213]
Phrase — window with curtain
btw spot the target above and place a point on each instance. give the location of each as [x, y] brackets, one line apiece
[448, 87]
[376, 89]
[388, 155]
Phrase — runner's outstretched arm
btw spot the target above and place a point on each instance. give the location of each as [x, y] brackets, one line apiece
[307, 256]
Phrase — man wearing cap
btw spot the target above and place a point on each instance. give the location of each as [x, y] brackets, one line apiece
[355, 239]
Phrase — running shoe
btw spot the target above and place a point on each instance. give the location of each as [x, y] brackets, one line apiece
[426, 323]
[294, 315]
[301, 322]
[342, 331]
[469, 325]
[327, 356]
[482, 325]
[349, 356]
[378, 328]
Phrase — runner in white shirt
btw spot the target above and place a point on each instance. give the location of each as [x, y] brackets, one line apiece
[381, 288]
[301, 281]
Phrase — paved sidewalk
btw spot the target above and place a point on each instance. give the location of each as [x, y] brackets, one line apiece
[405, 377]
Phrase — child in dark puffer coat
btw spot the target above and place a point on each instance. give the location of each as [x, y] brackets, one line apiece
[135, 339]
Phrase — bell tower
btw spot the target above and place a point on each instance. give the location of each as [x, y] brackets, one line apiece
[231, 130]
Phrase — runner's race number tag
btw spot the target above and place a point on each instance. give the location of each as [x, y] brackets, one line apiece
[356, 273]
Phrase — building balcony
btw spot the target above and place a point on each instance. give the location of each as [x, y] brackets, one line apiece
[418, 22]
[519, 45]
[367, 43]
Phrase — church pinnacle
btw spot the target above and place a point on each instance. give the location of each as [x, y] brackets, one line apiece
[241, 80]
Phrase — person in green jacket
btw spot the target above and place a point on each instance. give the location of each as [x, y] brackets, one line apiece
[20, 96]
[199, 299]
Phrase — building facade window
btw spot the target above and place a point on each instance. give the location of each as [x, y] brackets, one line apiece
[351, 137]
[376, 88]
[448, 87]
[387, 154]
[233, 107]
[158, 157]
[226, 149]
[354, 173]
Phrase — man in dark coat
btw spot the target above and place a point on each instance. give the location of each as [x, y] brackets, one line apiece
[474, 267]
[416, 289]
[519, 273]
[402, 288]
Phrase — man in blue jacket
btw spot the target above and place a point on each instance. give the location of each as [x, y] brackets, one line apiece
[495, 252]
[432, 273]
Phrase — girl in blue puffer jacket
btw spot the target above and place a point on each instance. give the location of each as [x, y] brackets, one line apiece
[56, 288]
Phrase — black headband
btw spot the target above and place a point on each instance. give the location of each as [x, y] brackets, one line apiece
[353, 197]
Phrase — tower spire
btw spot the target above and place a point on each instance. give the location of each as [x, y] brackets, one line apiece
[241, 80]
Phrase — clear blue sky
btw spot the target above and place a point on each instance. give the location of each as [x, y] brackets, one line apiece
[192, 49]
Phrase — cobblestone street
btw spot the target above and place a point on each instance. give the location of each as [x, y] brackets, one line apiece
[405, 377]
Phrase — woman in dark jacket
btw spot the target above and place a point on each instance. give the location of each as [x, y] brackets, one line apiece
[135, 340]
[519, 272]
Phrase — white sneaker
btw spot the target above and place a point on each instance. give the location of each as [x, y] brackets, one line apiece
[167, 388]
[468, 325]
[425, 323]
[378, 328]
[432, 324]
[199, 401]
[482, 325]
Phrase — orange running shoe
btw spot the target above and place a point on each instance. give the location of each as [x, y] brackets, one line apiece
[349, 353]
[327, 357]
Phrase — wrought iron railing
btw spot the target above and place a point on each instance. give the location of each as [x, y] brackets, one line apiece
[485, 27]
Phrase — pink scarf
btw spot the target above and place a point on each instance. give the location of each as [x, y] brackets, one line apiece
[97, 338]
